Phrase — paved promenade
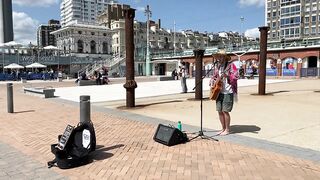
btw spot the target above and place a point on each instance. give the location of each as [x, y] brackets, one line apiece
[126, 149]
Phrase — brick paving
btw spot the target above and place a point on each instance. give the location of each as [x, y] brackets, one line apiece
[16, 165]
[126, 149]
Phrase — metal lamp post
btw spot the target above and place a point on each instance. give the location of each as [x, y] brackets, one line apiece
[239, 58]
[148, 13]
[241, 19]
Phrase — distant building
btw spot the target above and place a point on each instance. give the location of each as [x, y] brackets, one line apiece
[6, 26]
[291, 20]
[82, 11]
[230, 40]
[112, 12]
[84, 40]
[44, 38]
[160, 39]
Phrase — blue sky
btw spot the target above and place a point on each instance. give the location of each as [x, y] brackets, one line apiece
[200, 15]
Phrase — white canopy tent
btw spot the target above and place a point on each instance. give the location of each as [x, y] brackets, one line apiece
[51, 47]
[36, 65]
[13, 66]
[11, 43]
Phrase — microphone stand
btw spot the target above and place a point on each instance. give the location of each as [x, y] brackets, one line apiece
[200, 133]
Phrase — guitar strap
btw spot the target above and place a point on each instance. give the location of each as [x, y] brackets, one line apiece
[225, 69]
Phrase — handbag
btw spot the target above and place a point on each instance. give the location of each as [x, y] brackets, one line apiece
[216, 89]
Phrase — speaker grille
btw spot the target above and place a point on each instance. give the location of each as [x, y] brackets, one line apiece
[164, 133]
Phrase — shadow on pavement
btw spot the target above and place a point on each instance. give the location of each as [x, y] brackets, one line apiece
[276, 92]
[145, 105]
[28, 111]
[244, 128]
[101, 154]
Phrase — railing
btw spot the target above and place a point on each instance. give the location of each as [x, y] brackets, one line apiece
[111, 63]
[245, 47]
[307, 72]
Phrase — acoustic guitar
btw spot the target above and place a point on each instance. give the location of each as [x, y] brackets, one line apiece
[217, 87]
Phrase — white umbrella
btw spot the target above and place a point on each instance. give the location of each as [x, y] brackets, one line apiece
[50, 47]
[13, 66]
[36, 65]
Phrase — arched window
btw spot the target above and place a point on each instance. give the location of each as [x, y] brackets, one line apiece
[80, 46]
[105, 48]
[289, 66]
[289, 63]
[93, 47]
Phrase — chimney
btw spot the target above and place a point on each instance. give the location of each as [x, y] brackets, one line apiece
[159, 23]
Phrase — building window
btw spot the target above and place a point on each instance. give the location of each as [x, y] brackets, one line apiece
[105, 48]
[93, 48]
[274, 14]
[306, 30]
[80, 46]
[306, 20]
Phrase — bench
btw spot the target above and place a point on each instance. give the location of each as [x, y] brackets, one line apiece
[86, 82]
[165, 78]
[48, 92]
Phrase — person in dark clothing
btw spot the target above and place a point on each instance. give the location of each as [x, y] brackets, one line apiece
[174, 74]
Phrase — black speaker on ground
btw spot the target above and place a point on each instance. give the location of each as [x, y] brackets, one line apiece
[169, 135]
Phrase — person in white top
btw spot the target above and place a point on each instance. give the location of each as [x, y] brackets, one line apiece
[228, 73]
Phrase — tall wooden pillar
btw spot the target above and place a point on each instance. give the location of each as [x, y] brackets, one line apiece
[130, 84]
[198, 80]
[263, 59]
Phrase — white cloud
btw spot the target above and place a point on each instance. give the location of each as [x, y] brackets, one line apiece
[41, 3]
[252, 33]
[24, 28]
[258, 3]
[140, 9]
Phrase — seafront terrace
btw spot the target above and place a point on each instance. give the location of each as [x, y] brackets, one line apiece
[273, 136]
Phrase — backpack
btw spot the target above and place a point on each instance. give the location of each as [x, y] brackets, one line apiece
[74, 146]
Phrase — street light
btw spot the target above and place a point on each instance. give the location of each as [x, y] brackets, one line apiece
[148, 13]
[241, 20]
[174, 38]
[239, 58]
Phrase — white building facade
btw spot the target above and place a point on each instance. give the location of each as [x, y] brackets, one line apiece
[85, 40]
[82, 11]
